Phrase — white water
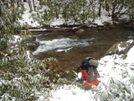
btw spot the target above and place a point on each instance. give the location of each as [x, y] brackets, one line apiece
[62, 44]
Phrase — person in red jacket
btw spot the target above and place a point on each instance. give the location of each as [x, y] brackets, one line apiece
[89, 74]
[87, 82]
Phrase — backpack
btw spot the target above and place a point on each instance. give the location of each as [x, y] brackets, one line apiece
[90, 65]
[87, 63]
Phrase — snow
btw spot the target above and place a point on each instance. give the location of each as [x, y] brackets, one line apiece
[69, 93]
[102, 19]
[130, 58]
[15, 39]
[26, 17]
[57, 22]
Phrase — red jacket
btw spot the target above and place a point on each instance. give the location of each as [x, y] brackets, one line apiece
[85, 76]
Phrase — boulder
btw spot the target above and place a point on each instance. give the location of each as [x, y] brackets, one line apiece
[121, 48]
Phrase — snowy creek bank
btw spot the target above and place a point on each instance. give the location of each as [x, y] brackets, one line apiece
[69, 45]
[116, 76]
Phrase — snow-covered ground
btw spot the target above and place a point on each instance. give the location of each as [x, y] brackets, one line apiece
[116, 76]
[27, 18]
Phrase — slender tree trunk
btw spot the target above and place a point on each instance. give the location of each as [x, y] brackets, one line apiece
[30, 5]
[40, 2]
[99, 12]
[34, 7]
[113, 13]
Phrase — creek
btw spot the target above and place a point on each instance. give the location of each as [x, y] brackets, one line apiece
[70, 45]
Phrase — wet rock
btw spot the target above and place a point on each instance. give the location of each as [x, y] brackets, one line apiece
[31, 45]
[80, 31]
[100, 27]
[108, 25]
[121, 48]
[73, 37]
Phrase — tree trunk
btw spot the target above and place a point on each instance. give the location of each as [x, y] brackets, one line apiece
[30, 5]
[34, 7]
[113, 13]
[99, 12]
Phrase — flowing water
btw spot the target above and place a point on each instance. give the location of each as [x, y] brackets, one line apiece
[62, 45]
[69, 47]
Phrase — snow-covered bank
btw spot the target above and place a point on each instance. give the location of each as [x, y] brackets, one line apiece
[27, 16]
[36, 15]
[116, 75]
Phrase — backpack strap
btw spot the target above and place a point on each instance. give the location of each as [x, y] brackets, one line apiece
[78, 69]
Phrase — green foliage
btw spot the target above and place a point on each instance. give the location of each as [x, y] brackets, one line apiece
[72, 11]
[131, 11]
[81, 11]
[21, 76]
[3, 45]
[117, 8]
[24, 77]
[9, 15]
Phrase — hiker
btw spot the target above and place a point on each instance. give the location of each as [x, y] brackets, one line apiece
[89, 73]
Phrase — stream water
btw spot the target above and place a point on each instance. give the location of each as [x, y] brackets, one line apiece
[69, 47]
[62, 45]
